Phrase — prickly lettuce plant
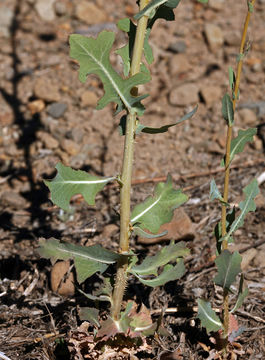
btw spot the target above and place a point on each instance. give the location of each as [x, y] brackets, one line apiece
[92, 54]
[229, 263]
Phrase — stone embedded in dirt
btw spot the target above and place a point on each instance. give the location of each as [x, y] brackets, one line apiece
[179, 228]
[62, 282]
[45, 9]
[56, 110]
[179, 64]
[247, 257]
[248, 117]
[109, 230]
[48, 140]
[178, 47]
[211, 94]
[217, 4]
[13, 199]
[214, 36]
[6, 17]
[60, 8]
[186, 94]
[36, 106]
[90, 13]
[46, 89]
[232, 38]
[88, 98]
[260, 201]
[70, 146]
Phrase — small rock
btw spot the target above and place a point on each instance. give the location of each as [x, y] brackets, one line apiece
[77, 134]
[248, 117]
[56, 110]
[60, 8]
[180, 227]
[70, 147]
[260, 201]
[62, 282]
[90, 13]
[6, 17]
[48, 140]
[109, 230]
[247, 257]
[178, 47]
[211, 94]
[184, 95]
[14, 200]
[88, 98]
[257, 143]
[36, 106]
[232, 38]
[45, 9]
[46, 89]
[179, 64]
[214, 36]
[217, 4]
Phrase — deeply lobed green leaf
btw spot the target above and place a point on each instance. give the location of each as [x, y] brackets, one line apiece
[158, 209]
[228, 265]
[93, 57]
[69, 182]
[207, 316]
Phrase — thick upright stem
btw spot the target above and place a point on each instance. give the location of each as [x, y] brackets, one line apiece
[126, 175]
[227, 162]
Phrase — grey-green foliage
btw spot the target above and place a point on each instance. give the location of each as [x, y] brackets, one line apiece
[227, 109]
[228, 265]
[207, 316]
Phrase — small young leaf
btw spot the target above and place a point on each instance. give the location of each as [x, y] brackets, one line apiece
[94, 297]
[242, 294]
[251, 191]
[203, 1]
[170, 273]
[214, 192]
[140, 232]
[227, 109]
[69, 182]
[250, 7]
[207, 316]
[164, 128]
[93, 57]
[168, 253]
[142, 322]
[88, 260]
[158, 209]
[150, 9]
[238, 143]
[89, 314]
[231, 78]
[230, 217]
[228, 265]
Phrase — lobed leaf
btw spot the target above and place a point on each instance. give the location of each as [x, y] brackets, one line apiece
[169, 273]
[251, 191]
[150, 264]
[164, 128]
[228, 265]
[207, 316]
[238, 143]
[88, 260]
[158, 209]
[93, 57]
[227, 109]
[69, 182]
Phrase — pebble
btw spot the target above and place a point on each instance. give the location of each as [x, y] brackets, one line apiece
[90, 13]
[36, 106]
[70, 147]
[6, 17]
[61, 286]
[211, 94]
[60, 8]
[217, 4]
[109, 230]
[179, 64]
[48, 140]
[178, 47]
[179, 228]
[184, 95]
[88, 98]
[248, 117]
[46, 89]
[57, 109]
[13, 199]
[247, 257]
[45, 9]
[214, 36]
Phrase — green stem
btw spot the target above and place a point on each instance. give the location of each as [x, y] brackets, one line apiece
[227, 165]
[126, 175]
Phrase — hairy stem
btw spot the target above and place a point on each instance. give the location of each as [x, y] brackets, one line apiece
[227, 160]
[126, 175]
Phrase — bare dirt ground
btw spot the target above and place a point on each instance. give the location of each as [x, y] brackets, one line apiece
[47, 116]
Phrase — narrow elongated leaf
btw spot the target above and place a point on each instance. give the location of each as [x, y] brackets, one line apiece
[88, 260]
[170, 273]
[240, 299]
[150, 9]
[96, 298]
[207, 316]
[164, 128]
[251, 191]
[214, 192]
[227, 109]
[228, 265]
[93, 57]
[231, 78]
[158, 209]
[140, 232]
[238, 143]
[168, 253]
[69, 182]
[230, 217]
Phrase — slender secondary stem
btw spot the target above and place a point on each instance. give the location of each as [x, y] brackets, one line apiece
[126, 175]
[227, 160]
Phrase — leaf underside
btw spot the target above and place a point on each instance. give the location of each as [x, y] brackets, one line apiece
[207, 316]
[93, 57]
[227, 109]
[158, 209]
[69, 182]
[228, 265]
